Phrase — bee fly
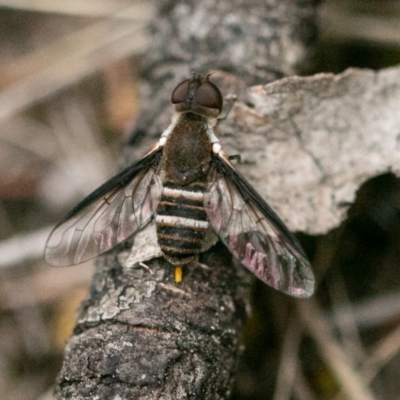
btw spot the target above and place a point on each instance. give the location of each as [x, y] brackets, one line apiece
[187, 182]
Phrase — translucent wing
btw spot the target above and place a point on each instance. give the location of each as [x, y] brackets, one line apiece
[114, 211]
[254, 234]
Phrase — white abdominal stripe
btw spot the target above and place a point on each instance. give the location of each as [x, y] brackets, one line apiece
[181, 222]
[185, 193]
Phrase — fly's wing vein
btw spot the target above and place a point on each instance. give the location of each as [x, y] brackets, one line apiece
[254, 234]
[113, 212]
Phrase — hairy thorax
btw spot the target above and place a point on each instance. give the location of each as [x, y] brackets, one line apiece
[187, 152]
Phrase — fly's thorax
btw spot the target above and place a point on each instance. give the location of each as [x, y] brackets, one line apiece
[181, 221]
[187, 151]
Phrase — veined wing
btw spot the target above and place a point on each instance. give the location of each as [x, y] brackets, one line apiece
[114, 211]
[254, 234]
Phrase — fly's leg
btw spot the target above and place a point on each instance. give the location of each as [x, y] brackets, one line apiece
[143, 265]
[236, 157]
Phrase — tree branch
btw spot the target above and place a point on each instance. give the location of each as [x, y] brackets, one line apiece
[139, 335]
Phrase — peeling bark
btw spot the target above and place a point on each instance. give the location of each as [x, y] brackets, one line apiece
[308, 143]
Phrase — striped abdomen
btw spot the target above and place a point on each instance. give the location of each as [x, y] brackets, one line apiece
[181, 222]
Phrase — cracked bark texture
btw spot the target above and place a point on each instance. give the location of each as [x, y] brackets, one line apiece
[139, 335]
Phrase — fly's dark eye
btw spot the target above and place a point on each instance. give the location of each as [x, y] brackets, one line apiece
[180, 93]
[197, 96]
[208, 96]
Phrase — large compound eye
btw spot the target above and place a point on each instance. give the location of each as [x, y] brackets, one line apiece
[199, 96]
[180, 93]
[208, 96]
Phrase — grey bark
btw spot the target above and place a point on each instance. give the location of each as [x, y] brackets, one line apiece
[308, 143]
[139, 335]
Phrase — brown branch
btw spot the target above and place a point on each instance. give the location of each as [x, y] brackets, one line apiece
[139, 334]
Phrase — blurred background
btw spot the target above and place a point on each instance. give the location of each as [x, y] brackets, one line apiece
[69, 93]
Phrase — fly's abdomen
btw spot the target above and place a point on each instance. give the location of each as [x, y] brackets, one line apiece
[181, 222]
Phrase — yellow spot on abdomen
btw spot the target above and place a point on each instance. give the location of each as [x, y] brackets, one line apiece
[178, 274]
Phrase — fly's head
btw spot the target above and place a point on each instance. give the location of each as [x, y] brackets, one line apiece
[199, 96]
